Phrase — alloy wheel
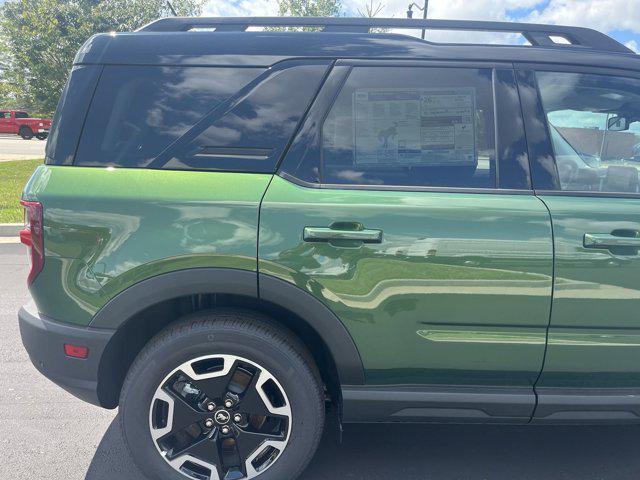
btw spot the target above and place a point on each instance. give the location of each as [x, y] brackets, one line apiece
[220, 417]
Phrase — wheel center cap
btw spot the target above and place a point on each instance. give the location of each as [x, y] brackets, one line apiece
[222, 417]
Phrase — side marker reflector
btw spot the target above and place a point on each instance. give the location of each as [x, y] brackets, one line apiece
[76, 351]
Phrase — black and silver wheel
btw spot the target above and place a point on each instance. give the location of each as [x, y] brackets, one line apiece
[220, 411]
[227, 396]
[42, 136]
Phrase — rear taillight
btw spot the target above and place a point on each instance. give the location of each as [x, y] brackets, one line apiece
[32, 236]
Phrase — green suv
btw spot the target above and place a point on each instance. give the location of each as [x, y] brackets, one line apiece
[236, 228]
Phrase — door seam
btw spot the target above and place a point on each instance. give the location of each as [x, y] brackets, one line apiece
[264, 194]
[553, 287]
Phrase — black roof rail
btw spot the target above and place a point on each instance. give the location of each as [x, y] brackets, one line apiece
[537, 35]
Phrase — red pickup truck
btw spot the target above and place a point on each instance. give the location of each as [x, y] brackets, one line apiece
[20, 123]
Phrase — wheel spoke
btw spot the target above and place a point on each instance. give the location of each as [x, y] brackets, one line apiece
[251, 402]
[205, 450]
[247, 442]
[184, 415]
[231, 462]
[215, 387]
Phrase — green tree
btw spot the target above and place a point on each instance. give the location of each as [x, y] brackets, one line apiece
[7, 97]
[309, 8]
[38, 40]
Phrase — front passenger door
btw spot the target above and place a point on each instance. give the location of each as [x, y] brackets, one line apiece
[404, 216]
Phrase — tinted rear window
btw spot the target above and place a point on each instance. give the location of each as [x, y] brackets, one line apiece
[138, 111]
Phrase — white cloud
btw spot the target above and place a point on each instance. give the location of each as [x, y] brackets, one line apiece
[603, 15]
[242, 8]
[633, 45]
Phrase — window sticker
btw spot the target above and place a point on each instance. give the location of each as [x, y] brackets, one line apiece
[425, 127]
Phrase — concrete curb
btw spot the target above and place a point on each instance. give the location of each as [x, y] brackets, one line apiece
[10, 229]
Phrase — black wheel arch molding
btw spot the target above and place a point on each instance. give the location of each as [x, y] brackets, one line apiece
[153, 290]
[116, 313]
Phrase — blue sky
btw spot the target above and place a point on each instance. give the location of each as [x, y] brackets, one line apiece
[618, 18]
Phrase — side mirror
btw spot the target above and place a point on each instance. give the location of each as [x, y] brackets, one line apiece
[617, 124]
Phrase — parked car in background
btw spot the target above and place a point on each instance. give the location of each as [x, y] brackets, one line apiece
[234, 230]
[21, 123]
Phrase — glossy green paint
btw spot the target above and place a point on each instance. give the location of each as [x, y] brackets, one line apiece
[594, 336]
[106, 229]
[457, 292]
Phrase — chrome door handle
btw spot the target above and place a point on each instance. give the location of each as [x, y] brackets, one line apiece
[326, 234]
[606, 240]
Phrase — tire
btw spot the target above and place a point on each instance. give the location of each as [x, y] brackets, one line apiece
[220, 342]
[26, 133]
[41, 136]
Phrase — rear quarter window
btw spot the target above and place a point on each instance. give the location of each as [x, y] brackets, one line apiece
[197, 118]
[138, 111]
[70, 114]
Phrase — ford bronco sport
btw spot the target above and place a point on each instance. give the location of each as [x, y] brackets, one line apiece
[234, 228]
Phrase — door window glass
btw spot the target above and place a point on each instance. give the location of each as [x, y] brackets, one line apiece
[412, 126]
[22, 115]
[594, 124]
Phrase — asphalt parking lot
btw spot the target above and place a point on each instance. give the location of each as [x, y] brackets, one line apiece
[12, 147]
[46, 434]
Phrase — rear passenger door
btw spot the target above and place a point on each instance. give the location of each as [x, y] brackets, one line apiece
[404, 205]
[588, 120]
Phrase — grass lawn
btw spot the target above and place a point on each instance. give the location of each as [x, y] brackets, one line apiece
[13, 177]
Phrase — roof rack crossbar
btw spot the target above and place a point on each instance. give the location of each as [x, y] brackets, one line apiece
[537, 35]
